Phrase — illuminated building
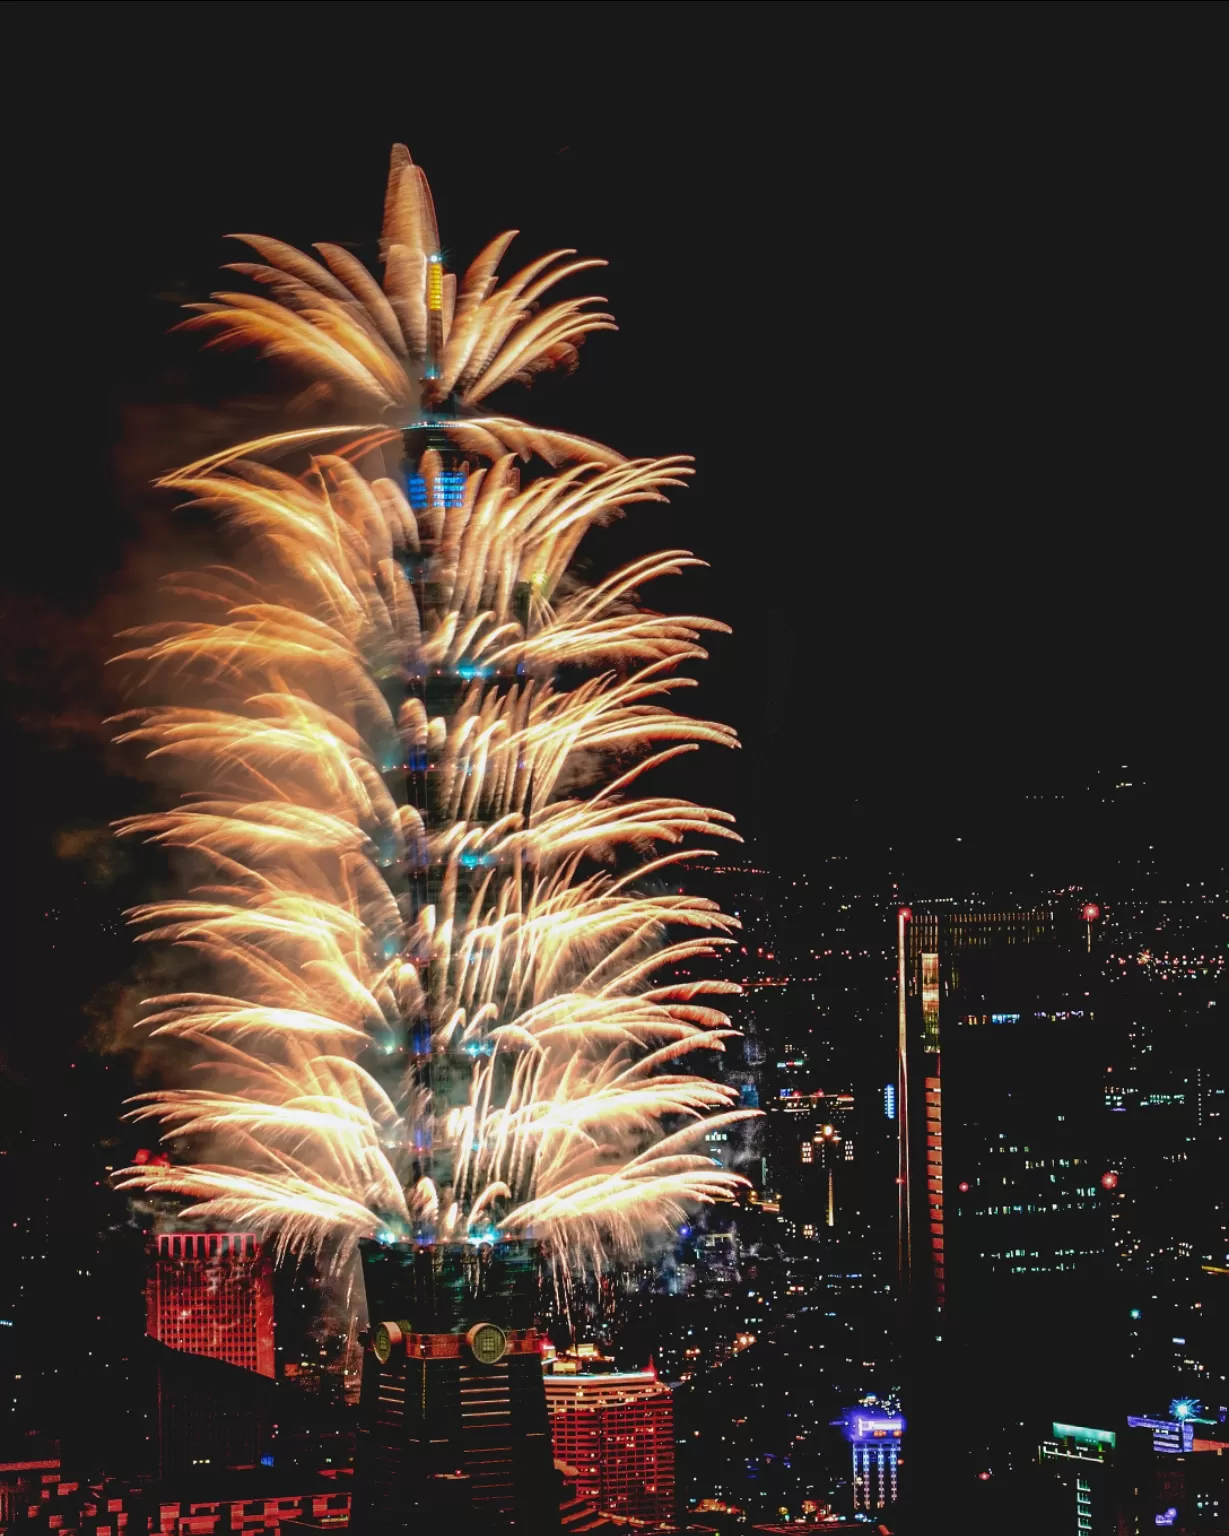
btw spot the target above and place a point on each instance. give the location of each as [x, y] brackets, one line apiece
[1186, 1427]
[211, 1293]
[617, 1430]
[452, 1420]
[213, 1504]
[875, 1438]
[23, 1476]
[811, 1150]
[1081, 1459]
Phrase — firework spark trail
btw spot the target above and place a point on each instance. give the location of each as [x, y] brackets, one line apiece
[449, 994]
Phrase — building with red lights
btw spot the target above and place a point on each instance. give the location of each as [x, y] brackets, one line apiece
[211, 1293]
[214, 1503]
[617, 1431]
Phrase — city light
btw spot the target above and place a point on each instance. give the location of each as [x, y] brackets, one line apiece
[501, 1142]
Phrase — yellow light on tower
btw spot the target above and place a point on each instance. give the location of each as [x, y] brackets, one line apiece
[435, 284]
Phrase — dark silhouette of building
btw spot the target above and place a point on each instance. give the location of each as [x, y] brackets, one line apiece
[1004, 1190]
[211, 1415]
[811, 1157]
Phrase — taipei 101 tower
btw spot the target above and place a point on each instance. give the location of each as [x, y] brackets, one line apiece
[452, 975]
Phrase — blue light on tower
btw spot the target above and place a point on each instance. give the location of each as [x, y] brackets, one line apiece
[447, 491]
[889, 1101]
[874, 1437]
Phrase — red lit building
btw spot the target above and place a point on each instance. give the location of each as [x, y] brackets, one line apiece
[258, 1502]
[617, 1431]
[211, 1293]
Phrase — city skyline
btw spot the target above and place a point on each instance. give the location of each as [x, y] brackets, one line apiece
[955, 1241]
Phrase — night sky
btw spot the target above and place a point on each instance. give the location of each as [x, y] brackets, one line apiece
[926, 292]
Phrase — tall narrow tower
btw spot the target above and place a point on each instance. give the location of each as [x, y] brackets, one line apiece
[1003, 1219]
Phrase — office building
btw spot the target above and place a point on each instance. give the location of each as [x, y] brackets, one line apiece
[616, 1430]
[212, 1416]
[211, 1293]
[1081, 1460]
[1004, 1189]
[1001, 1074]
[875, 1436]
[452, 1420]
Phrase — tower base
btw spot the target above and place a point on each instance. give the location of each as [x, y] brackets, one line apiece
[453, 1417]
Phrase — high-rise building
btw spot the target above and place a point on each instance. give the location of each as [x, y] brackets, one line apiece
[453, 1421]
[211, 1293]
[212, 1416]
[875, 1437]
[1082, 1459]
[617, 1431]
[1004, 1185]
[1003, 1190]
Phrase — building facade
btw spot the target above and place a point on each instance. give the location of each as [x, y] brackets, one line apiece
[1003, 1184]
[617, 1431]
[211, 1293]
[1081, 1460]
[453, 1423]
[875, 1437]
[1002, 1163]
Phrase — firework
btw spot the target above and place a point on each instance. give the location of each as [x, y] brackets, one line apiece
[448, 985]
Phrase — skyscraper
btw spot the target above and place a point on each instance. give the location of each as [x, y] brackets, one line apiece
[1004, 1190]
[212, 1416]
[453, 1421]
[617, 1431]
[1001, 1072]
[211, 1293]
[1081, 1460]
[875, 1435]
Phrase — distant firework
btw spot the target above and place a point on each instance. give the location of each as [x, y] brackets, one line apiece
[445, 994]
